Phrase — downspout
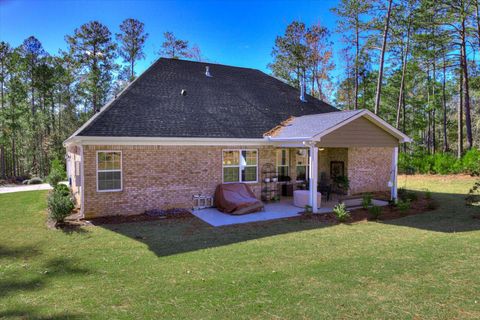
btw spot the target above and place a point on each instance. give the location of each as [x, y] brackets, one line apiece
[394, 177]
[82, 183]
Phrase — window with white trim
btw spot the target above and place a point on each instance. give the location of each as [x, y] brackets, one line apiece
[240, 165]
[283, 161]
[109, 171]
[302, 164]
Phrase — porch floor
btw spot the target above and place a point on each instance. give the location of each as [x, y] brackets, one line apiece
[275, 210]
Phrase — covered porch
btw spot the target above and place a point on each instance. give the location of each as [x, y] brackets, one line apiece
[370, 146]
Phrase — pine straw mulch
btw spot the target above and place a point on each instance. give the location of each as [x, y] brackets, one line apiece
[151, 215]
[389, 212]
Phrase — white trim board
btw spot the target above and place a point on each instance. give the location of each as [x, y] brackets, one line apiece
[109, 141]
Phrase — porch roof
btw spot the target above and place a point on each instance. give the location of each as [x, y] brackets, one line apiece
[314, 127]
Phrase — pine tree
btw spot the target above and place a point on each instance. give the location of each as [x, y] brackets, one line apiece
[132, 41]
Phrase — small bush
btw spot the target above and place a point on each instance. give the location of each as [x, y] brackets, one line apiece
[367, 200]
[375, 211]
[473, 197]
[35, 180]
[403, 205]
[25, 181]
[308, 210]
[341, 213]
[62, 189]
[59, 206]
[412, 196]
[57, 173]
[428, 194]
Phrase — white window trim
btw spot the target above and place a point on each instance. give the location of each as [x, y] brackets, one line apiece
[307, 167]
[238, 166]
[283, 165]
[121, 171]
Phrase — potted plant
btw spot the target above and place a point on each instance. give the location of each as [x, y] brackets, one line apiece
[342, 183]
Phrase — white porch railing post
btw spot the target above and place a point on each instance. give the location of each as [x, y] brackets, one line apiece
[313, 177]
[394, 178]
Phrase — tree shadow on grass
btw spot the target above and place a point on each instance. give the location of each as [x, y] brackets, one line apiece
[50, 270]
[19, 252]
[31, 313]
[449, 215]
[173, 236]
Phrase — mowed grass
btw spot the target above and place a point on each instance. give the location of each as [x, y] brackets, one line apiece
[418, 267]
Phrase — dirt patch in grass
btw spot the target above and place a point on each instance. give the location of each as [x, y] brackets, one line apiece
[147, 216]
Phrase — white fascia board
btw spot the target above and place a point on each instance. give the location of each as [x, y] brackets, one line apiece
[167, 141]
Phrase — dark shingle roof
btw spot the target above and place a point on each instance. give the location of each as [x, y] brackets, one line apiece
[233, 103]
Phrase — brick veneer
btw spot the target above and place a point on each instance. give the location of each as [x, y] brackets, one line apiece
[369, 169]
[160, 177]
[168, 176]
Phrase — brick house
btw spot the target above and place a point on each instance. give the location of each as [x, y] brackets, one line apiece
[184, 127]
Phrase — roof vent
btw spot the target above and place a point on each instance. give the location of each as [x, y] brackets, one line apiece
[183, 92]
[302, 90]
[207, 71]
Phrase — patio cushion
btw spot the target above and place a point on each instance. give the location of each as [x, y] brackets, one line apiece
[236, 198]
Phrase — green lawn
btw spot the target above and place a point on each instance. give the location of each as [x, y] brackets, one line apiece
[425, 266]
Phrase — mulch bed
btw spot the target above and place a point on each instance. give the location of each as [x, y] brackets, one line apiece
[389, 212]
[149, 215]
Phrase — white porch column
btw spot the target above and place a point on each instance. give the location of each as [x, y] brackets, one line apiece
[313, 176]
[394, 177]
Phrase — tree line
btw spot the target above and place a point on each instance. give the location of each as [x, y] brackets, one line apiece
[46, 97]
[412, 62]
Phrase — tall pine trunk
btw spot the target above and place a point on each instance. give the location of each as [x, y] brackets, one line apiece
[460, 118]
[382, 58]
[464, 64]
[357, 52]
[444, 100]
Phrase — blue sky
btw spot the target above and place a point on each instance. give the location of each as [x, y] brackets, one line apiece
[239, 33]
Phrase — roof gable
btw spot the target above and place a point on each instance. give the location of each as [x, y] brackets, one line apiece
[233, 103]
[316, 127]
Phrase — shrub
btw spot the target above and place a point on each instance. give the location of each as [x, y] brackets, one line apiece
[412, 196]
[342, 182]
[375, 211]
[62, 189]
[439, 163]
[366, 200]
[59, 206]
[403, 205]
[471, 162]
[428, 194]
[57, 173]
[341, 213]
[35, 180]
[473, 197]
[308, 210]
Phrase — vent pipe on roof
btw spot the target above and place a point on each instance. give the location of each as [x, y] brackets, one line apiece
[207, 71]
[302, 90]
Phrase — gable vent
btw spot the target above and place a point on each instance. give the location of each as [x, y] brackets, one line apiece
[207, 71]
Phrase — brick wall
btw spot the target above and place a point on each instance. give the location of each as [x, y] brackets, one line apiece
[369, 169]
[160, 177]
[168, 176]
